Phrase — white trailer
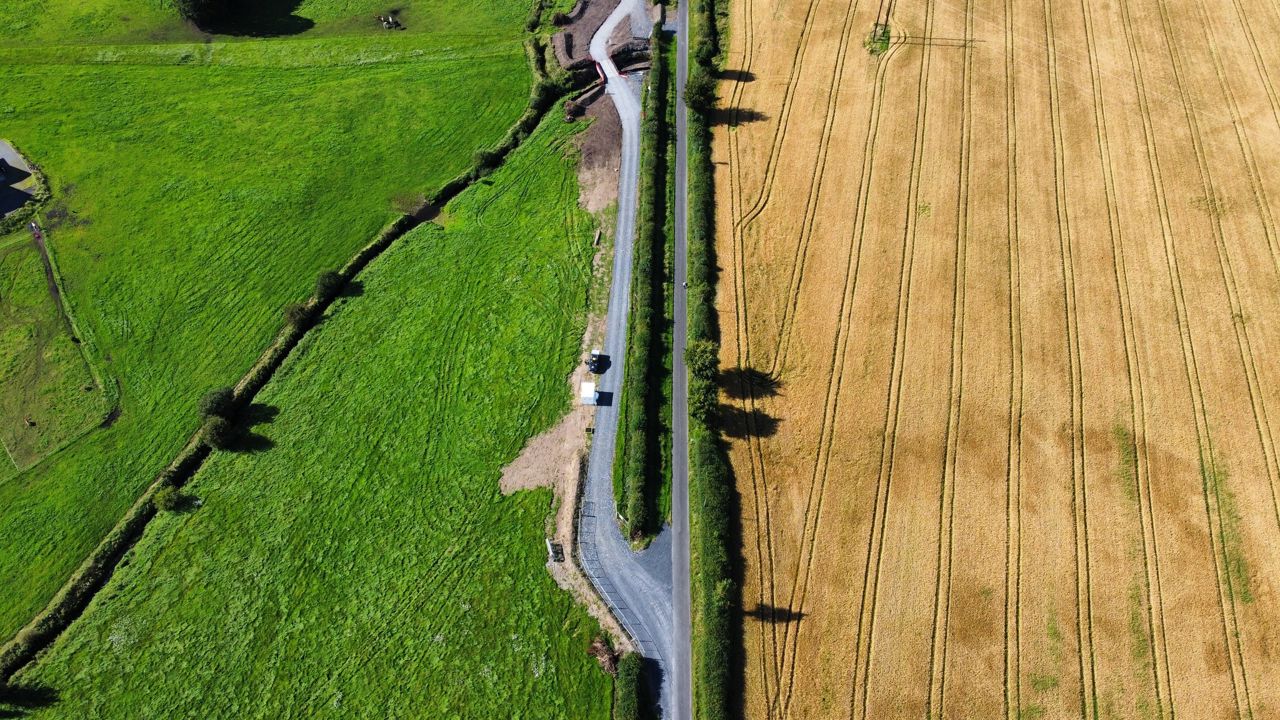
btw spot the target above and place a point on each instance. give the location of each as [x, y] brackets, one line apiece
[588, 394]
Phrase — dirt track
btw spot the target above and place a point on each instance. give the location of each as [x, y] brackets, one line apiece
[1002, 303]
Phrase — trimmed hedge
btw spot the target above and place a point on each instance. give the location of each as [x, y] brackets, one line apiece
[713, 497]
[639, 460]
[628, 688]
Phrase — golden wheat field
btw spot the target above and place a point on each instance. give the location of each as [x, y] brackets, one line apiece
[1000, 300]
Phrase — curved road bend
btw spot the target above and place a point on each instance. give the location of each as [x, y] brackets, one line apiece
[636, 585]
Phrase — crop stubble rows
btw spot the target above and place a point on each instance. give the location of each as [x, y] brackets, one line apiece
[1033, 270]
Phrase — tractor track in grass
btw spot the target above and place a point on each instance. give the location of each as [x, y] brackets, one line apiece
[1154, 605]
[75, 595]
[880, 510]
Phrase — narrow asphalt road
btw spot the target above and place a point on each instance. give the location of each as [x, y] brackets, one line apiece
[681, 641]
[636, 585]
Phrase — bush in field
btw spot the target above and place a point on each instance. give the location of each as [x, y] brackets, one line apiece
[328, 285]
[218, 433]
[560, 19]
[218, 401]
[298, 314]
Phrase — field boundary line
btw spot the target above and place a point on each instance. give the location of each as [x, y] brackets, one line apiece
[893, 407]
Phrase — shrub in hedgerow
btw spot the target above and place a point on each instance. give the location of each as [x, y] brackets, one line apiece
[169, 499]
[486, 161]
[328, 285]
[704, 399]
[298, 314]
[700, 91]
[218, 433]
[200, 10]
[704, 52]
[703, 359]
[218, 401]
[628, 688]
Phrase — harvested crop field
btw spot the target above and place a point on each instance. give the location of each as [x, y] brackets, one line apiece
[999, 301]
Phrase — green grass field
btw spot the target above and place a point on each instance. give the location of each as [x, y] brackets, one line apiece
[46, 378]
[42, 22]
[365, 565]
[199, 187]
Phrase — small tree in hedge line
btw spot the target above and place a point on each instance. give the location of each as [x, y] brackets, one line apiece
[218, 401]
[328, 285]
[703, 359]
[487, 161]
[298, 314]
[704, 399]
[700, 91]
[704, 52]
[169, 499]
[218, 433]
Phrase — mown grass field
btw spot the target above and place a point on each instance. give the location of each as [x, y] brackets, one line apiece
[365, 564]
[199, 187]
